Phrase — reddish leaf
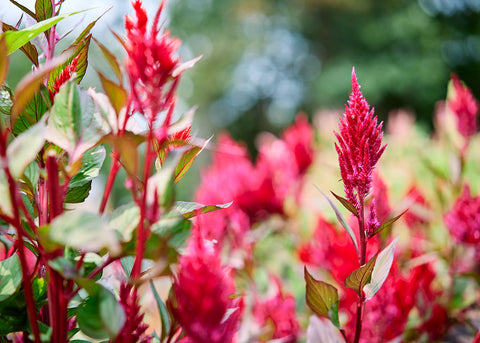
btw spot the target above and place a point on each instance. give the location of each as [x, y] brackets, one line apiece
[112, 60]
[321, 297]
[3, 60]
[23, 8]
[389, 223]
[361, 276]
[28, 49]
[43, 9]
[116, 94]
[347, 204]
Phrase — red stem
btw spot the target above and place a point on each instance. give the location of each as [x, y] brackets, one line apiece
[362, 259]
[142, 232]
[114, 168]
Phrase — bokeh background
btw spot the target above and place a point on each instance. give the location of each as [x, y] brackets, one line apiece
[265, 60]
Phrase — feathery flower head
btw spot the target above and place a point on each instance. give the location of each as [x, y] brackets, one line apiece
[64, 76]
[203, 294]
[463, 220]
[359, 145]
[151, 63]
[465, 107]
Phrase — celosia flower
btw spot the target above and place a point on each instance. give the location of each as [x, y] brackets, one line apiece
[203, 290]
[359, 145]
[151, 64]
[463, 220]
[299, 140]
[276, 315]
[134, 329]
[64, 76]
[465, 107]
[380, 194]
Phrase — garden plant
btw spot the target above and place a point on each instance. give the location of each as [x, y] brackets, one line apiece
[343, 230]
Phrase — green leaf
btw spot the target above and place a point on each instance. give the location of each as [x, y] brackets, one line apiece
[78, 194]
[19, 156]
[112, 60]
[124, 220]
[66, 267]
[187, 159]
[16, 39]
[127, 149]
[13, 316]
[361, 276]
[92, 161]
[162, 309]
[43, 9]
[174, 228]
[100, 316]
[10, 276]
[85, 231]
[71, 124]
[381, 270]
[28, 49]
[116, 94]
[33, 112]
[127, 263]
[389, 223]
[29, 86]
[347, 204]
[191, 209]
[321, 297]
[322, 331]
[342, 221]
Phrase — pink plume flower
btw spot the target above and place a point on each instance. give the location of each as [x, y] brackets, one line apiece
[151, 63]
[203, 290]
[134, 329]
[359, 145]
[299, 139]
[276, 314]
[465, 107]
[463, 220]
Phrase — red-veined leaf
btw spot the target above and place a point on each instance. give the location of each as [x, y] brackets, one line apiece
[321, 297]
[361, 276]
[116, 93]
[112, 60]
[389, 223]
[347, 204]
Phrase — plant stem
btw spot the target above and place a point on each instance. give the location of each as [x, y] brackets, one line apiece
[114, 168]
[362, 259]
[142, 232]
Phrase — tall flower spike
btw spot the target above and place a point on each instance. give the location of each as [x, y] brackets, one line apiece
[465, 107]
[151, 64]
[359, 145]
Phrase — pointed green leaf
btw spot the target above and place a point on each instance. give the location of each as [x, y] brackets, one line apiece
[43, 9]
[71, 124]
[28, 49]
[33, 112]
[116, 94]
[347, 204]
[162, 309]
[16, 39]
[10, 276]
[92, 161]
[100, 316]
[321, 297]
[19, 156]
[342, 221]
[112, 60]
[187, 159]
[190, 209]
[85, 231]
[361, 276]
[381, 270]
[87, 29]
[127, 149]
[29, 86]
[78, 194]
[389, 223]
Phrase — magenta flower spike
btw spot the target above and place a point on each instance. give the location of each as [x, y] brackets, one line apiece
[203, 290]
[465, 107]
[359, 145]
[151, 63]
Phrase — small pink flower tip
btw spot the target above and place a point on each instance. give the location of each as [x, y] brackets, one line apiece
[355, 85]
